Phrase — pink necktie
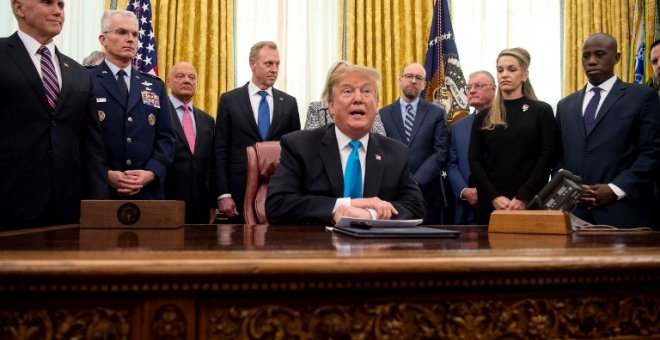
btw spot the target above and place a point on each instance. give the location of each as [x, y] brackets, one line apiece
[49, 77]
[188, 128]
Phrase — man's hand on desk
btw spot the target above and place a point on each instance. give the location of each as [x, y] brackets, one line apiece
[346, 211]
[227, 206]
[384, 209]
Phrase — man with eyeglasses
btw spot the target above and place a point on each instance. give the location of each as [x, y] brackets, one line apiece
[421, 126]
[134, 113]
[51, 149]
[343, 170]
[481, 93]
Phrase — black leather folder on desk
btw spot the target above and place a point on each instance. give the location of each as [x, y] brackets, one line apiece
[393, 232]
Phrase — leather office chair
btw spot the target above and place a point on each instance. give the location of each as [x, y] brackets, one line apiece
[262, 160]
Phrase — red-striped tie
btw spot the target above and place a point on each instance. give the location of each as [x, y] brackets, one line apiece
[49, 77]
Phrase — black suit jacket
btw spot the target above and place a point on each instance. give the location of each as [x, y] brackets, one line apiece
[236, 129]
[309, 179]
[46, 156]
[623, 148]
[428, 151]
[190, 175]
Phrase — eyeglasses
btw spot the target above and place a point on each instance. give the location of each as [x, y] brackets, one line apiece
[477, 86]
[123, 31]
[410, 77]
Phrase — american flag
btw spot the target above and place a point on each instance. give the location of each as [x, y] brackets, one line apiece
[145, 60]
[445, 81]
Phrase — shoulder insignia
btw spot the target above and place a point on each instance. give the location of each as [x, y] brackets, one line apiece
[152, 76]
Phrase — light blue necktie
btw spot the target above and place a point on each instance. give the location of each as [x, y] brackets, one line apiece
[353, 172]
[263, 121]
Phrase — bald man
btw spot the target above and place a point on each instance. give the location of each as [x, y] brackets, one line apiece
[610, 133]
[423, 128]
[190, 176]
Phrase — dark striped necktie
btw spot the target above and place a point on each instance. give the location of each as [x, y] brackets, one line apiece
[49, 77]
[409, 122]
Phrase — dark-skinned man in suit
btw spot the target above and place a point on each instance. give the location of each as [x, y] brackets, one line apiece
[610, 133]
[341, 169]
[249, 114]
[190, 176]
[51, 150]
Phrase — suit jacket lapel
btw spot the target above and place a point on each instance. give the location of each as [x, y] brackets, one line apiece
[278, 99]
[373, 169]
[615, 94]
[420, 115]
[23, 60]
[109, 82]
[329, 152]
[176, 123]
[393, 113]
[576, 106]
[67, 79]
[199, 127]
[246, 108]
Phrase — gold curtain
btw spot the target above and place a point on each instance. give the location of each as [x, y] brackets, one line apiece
[200, 32]
[387, 35]
[585, 17]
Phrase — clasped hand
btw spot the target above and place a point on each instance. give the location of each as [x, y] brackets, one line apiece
[503, 203]
[358, 209]
[129, 182]
[595, 195]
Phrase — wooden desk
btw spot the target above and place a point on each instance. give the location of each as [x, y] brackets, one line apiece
[280, 282]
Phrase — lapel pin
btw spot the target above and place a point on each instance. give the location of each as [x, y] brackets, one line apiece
[281, 98]
[66, 65]
[525, 108]
[146, 83]
[104, 72]
[378, 157]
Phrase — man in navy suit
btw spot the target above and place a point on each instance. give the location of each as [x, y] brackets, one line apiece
[481, 92]
[190, 177]
[611, 138]
[249, 114]
[51, 150]
[423, 128]
[342, 169]
[134, 113]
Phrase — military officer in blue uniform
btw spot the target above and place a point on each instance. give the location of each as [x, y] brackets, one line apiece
[134, 113]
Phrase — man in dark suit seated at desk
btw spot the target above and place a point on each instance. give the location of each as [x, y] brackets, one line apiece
[321, 173]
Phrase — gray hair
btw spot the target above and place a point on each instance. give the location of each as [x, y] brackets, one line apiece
[94, 58]
[327, 90]
[105, 19]
[485, 73]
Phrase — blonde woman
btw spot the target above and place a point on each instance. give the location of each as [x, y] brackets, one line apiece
[513, 144]
[318, 114]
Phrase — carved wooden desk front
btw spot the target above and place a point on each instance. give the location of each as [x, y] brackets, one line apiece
[282, 282]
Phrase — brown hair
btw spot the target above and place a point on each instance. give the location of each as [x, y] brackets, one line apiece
[254, 50]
